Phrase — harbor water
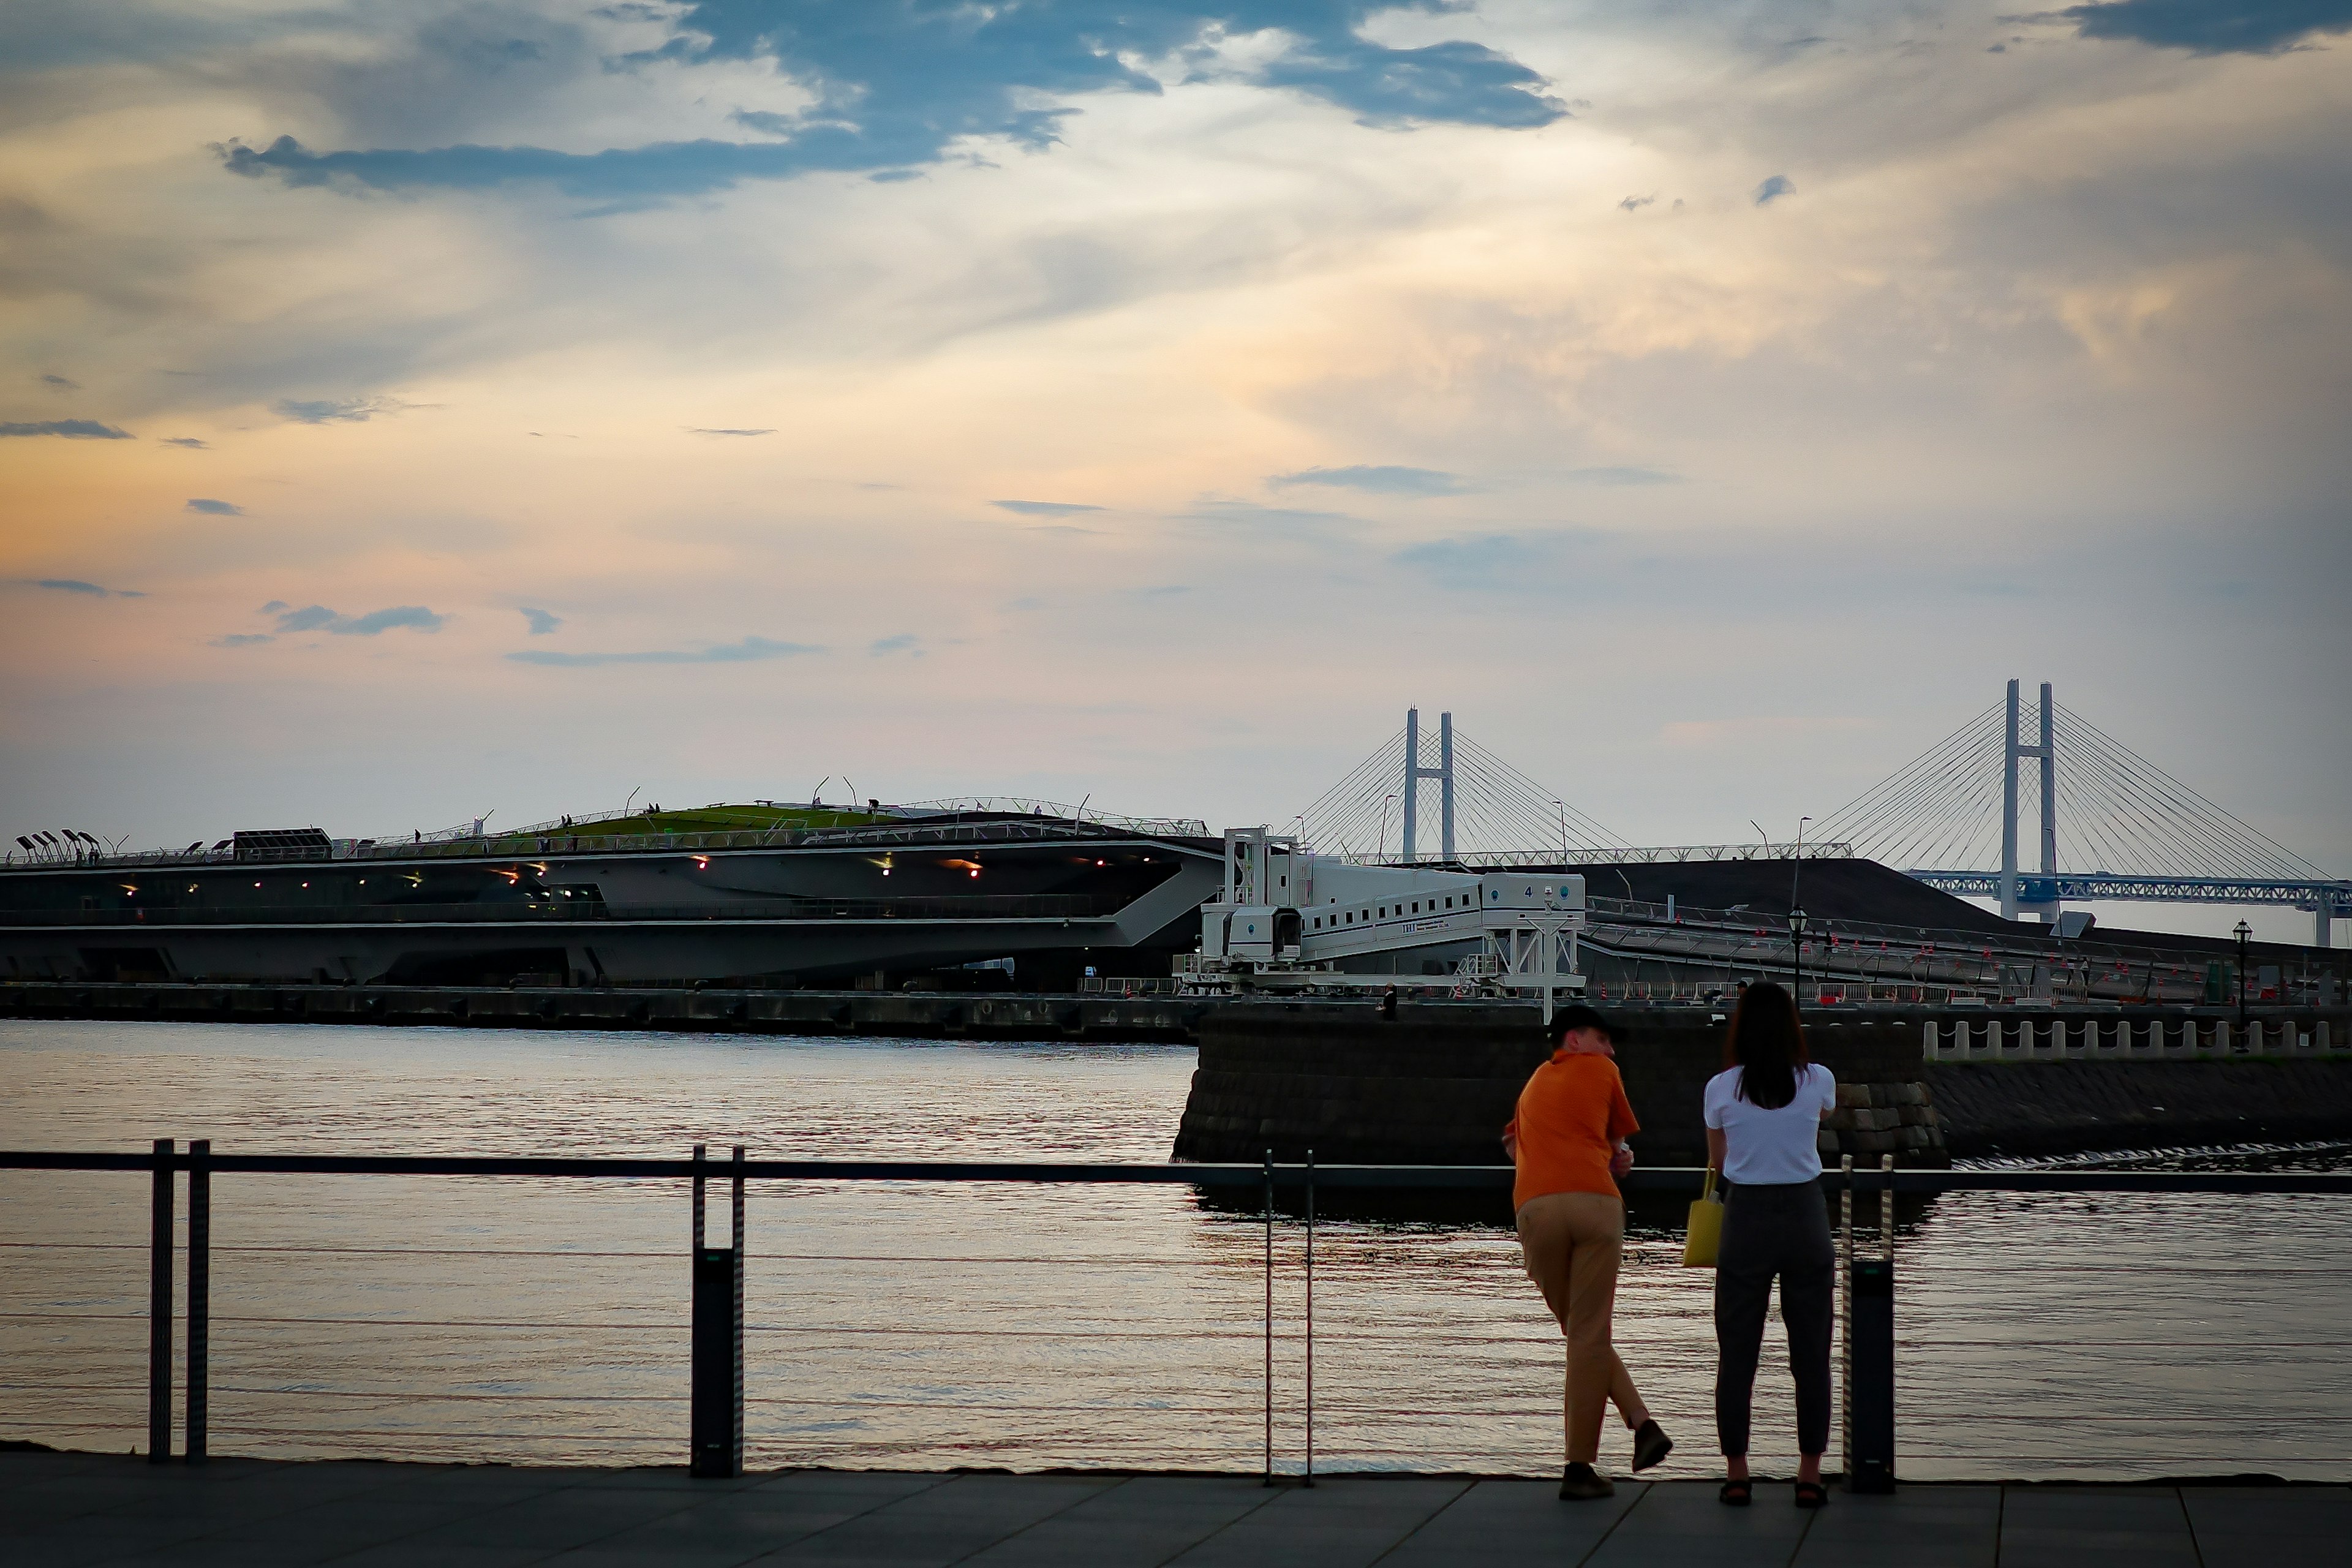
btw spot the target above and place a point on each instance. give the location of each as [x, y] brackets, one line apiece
[922, 1326]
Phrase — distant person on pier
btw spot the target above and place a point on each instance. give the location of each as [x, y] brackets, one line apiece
[1764, 1116]
[1569, 1143]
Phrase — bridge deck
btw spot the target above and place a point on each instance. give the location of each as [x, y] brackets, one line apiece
[82, 1510]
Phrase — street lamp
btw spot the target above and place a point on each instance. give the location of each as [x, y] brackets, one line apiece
[1798, 919]
[2243, 931]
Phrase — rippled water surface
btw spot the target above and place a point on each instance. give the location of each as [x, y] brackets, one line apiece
[912, 1325]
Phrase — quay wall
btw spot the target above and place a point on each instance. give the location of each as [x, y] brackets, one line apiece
[992, 1015]
[1435, 1083]
[2040, 1108]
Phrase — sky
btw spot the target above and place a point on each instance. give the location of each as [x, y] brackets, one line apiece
[409, 413]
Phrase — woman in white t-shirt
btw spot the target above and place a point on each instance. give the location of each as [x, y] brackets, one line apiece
[1764, 1116]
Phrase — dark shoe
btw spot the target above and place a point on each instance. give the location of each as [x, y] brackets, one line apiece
[1812, 1494]
[1580, 1483]
[1736, 1493]
[1651, 1445]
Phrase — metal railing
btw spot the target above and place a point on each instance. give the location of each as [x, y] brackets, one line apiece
[716, 1397]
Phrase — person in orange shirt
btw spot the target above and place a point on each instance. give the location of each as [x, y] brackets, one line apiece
[1568, 1141]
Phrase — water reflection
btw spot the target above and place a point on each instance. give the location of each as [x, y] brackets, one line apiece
[907, 1324]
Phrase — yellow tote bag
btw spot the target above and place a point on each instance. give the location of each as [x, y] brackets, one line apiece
[1706, 1227]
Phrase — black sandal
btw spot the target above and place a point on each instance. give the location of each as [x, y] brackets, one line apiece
[1736, 1493]
[1812, 1494]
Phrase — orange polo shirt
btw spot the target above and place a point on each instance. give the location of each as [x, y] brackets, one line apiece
[1570, 1116]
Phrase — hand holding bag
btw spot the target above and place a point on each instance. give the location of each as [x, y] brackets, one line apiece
[1706, 1227]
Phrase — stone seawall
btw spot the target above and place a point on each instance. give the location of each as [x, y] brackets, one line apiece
[2027, 1109]
[1435, 1085]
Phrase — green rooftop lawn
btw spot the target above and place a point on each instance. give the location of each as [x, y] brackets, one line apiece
[725, 819]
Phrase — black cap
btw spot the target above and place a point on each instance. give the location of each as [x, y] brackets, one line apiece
[1577, 1016]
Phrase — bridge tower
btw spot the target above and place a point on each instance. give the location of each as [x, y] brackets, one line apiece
[2044, 905]
[1415, 772]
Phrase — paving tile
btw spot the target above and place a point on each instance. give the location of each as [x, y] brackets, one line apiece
[1145, 1520]
[2251, 1526]
[1915, 1527]
[942, 1524]
[1683, 1523]
[1519, 1519]
[1337, 1523]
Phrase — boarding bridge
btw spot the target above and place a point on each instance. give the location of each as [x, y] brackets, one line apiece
[1288, 920]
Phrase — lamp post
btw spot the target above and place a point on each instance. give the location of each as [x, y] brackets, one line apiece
[2243, 931]
[1798, 919]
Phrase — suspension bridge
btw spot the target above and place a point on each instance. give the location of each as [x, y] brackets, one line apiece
[2112, 825]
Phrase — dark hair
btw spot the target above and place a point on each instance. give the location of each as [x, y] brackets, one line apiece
[1766, 1044]
[1575, 1016]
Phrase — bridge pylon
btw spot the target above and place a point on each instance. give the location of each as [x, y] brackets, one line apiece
[2045, 751]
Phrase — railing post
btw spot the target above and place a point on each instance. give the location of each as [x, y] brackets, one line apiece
[738, 1401]
[715, 1377]
[1845, 1314]
[1871, 1369]
[200, 1295]
[1310, 1317]
[159, 1308]
[1269, 1317]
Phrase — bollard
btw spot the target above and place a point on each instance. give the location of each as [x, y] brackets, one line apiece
[1870, 1364]
[200, 1295]
[715, 1416]
[159, 1308]
[1870, 1376]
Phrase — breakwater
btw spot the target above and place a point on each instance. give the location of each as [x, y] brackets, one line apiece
[1027, 1016]
[1434, 1084]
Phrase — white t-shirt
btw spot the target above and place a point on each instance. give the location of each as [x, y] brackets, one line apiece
[1771, 1147]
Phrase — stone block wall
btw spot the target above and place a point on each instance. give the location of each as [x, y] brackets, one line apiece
[1435, 1084]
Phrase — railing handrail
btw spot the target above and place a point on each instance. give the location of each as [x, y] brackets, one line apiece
[1647, 1179]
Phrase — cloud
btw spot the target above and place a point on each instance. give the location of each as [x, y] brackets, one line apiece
[411, 616]
[698, 430]
[2214, 26]
[904, 642]
[243, 639]
[1379, 480]
[1459, 82]
[1773, 189]
[61, 384]
[76, 585]
[71, 429]
[214, 508]
[1621, 476]
[1635, 203]
[1043, 508]
[541, 621]
[1162, 591]
[1227, 513]
[272, 607]
[335, 411]
[190, 442]
[1480, 561]
[319, 619]
[901, 86]
[747, 651]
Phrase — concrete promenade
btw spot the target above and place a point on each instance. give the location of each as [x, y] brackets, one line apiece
[82, 1510]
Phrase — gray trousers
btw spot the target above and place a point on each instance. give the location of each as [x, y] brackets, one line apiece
[1774, 1231]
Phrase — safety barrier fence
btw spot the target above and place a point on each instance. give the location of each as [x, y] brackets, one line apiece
[1270, 1195]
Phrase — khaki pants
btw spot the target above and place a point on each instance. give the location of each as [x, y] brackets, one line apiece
[1571, 1242]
